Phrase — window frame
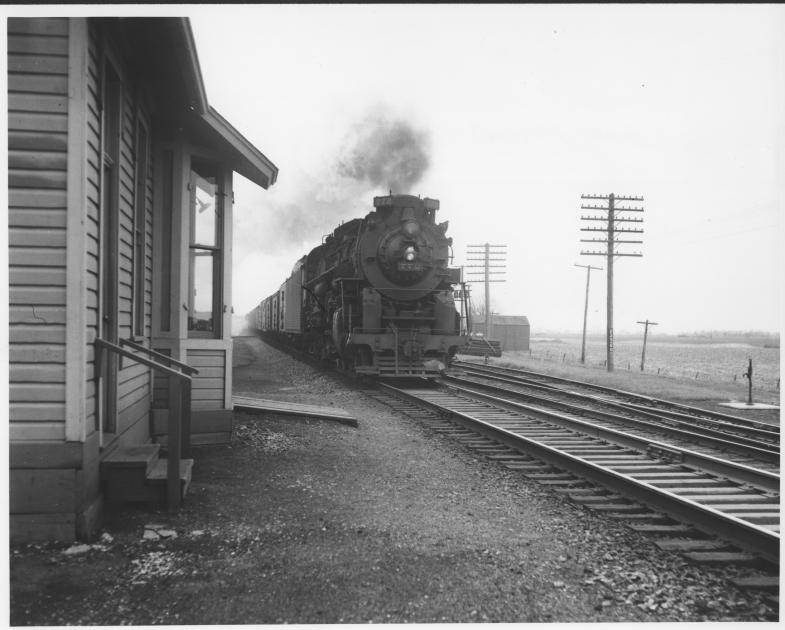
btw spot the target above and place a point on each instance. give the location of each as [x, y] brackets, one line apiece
[206, 170]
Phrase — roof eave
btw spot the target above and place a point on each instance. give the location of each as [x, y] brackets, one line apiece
[251, 162]
[193, 72]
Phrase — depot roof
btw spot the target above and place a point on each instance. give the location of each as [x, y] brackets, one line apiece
[166, 50]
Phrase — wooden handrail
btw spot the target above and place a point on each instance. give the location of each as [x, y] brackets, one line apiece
[148, 362]
[179, 425]
[157, 355]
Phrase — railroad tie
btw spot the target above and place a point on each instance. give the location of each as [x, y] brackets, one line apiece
[663, 530]
[690, 544]
[768, 583]
[722, 557]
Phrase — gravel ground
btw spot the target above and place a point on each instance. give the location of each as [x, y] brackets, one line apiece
[310, 521]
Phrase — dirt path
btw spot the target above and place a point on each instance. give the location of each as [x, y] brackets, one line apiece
[308, 521]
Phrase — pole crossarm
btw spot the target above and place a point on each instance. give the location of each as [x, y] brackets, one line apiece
[602, 240]
[587, 267]
[615, 255]
[615, 219]
[607, 197]
[624, 230]
[606, 208]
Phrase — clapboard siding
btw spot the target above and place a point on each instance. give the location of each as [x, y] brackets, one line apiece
[41, 372]
[41, 275]
[54, 103]
[37, 217]
[43, 333]
[26, 26]
[37, 64]
[32, 256]
[26, 429]
[38, 315]
[37, 160]
[208, 391]
[38, 83]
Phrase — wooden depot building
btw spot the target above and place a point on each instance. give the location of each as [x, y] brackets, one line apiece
[120, 251]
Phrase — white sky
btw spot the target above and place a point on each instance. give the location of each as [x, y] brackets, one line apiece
[528, 107]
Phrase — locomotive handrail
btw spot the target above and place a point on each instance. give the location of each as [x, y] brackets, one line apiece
[179, 422]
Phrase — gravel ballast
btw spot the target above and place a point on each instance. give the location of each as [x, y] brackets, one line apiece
[311, 521]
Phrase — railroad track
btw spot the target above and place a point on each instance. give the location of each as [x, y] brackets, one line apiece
[710, 509]
[758, 441]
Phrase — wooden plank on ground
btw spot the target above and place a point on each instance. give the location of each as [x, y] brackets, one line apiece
[245, 403]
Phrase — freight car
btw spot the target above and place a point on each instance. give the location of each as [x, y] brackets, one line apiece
[376, 296]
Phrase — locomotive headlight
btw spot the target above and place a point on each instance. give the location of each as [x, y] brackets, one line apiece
[409, 254]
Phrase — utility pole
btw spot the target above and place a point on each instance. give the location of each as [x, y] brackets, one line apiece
[647, 323]
[586, 308]
[608, 238]
[486, 254]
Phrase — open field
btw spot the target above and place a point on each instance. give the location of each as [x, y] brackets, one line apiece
[701, 359]
[705, 394]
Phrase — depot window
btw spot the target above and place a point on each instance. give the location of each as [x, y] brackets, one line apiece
[205, 253]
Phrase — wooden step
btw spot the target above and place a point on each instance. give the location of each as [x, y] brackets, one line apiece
[158, 476]
[137, 474]
[142, 456]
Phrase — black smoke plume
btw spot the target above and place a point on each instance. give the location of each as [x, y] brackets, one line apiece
[385, 153]
[377, 155]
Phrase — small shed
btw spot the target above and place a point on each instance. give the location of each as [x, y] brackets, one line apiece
[512, 331]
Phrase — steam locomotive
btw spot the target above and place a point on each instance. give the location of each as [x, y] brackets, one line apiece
[376, 296]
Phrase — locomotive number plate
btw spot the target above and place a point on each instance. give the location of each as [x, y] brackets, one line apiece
[410, 266]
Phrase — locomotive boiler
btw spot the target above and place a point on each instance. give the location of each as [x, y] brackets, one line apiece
[377, 295]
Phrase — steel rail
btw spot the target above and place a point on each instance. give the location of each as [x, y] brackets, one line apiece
[665, 415]
[700, 434]
[686, 410]
[739, 473]
[760, 540]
